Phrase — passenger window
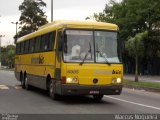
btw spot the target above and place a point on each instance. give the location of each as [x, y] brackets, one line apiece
[22, 47]
[46, 44]
[51, 40]
[47, 41]
[32, 45]
[26, 45]
[17, 48]
[37, 44]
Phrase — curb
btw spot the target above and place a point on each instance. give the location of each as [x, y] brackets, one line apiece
[142, 88]
[6, 69]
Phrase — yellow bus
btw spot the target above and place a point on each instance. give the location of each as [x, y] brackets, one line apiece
[71, 58]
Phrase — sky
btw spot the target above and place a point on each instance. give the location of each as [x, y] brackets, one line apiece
[62, 10]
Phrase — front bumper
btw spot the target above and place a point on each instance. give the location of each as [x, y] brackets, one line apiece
[74, 89]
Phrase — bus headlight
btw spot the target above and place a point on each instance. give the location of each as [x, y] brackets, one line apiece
[116, 80]
[69, 80]
[119, 80]
[72, 80]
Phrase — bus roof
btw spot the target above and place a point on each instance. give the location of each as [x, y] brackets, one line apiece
[69, 24]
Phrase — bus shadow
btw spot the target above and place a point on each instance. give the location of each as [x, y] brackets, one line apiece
[69, 99]
[39, 91]
[74, 100]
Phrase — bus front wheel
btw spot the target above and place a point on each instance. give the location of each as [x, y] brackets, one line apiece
[52, 91]
[98, 97]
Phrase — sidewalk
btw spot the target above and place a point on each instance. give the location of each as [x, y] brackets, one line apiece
[143, 78]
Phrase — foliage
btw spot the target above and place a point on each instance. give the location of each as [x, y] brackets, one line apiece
[32, 16]
[136, 16]
[143, 84]
[135, 46]
[8, 54]
[132, 16]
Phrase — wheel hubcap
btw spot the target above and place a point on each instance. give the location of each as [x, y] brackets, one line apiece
[51, 89]
[26, 84]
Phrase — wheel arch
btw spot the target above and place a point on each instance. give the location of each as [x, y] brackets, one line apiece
[48, 80]
[21, 75]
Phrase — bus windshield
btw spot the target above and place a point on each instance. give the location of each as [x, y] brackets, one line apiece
[90, 46]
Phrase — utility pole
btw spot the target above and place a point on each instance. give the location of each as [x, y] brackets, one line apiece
[51, 10]
[16, 23]
[0, 48]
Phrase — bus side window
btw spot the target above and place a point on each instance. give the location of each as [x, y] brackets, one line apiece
[26, 45]
[51, 40]
[42, 43]
[46, 45]
[17, 48]
[32, 45]
[20, 44]
[22, 47]
[37, 43]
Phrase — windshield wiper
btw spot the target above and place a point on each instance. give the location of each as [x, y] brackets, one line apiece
[104, 58]
[98, 51]
[89, 51]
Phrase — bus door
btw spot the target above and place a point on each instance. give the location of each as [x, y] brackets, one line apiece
[58, 57]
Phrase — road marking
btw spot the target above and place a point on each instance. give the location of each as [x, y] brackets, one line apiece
[3, 87]
[18, 87]
[133, 103]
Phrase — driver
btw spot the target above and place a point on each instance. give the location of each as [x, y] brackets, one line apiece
[76, 49]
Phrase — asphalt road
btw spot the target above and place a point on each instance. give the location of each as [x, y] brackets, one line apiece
[14, 99]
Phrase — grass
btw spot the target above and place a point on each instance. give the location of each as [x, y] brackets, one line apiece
[143, 84]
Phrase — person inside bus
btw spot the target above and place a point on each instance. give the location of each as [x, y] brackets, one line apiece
[76, 50]
[100, 49]
[80, 50]
[86, 51]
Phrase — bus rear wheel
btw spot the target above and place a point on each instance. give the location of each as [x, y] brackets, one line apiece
[98, 97]
[27, 86]
[22, 81]
[52, 93]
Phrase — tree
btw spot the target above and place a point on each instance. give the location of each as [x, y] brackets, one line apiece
[32, 16]
[10, 58]
[135, 46]
[8, 54]
[132, 17]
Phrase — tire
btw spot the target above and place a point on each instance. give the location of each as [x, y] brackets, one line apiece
[22, 81]
[52, 93]
[98, 97]
[27, 86]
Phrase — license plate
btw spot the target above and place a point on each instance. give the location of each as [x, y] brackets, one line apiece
[94, 92]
